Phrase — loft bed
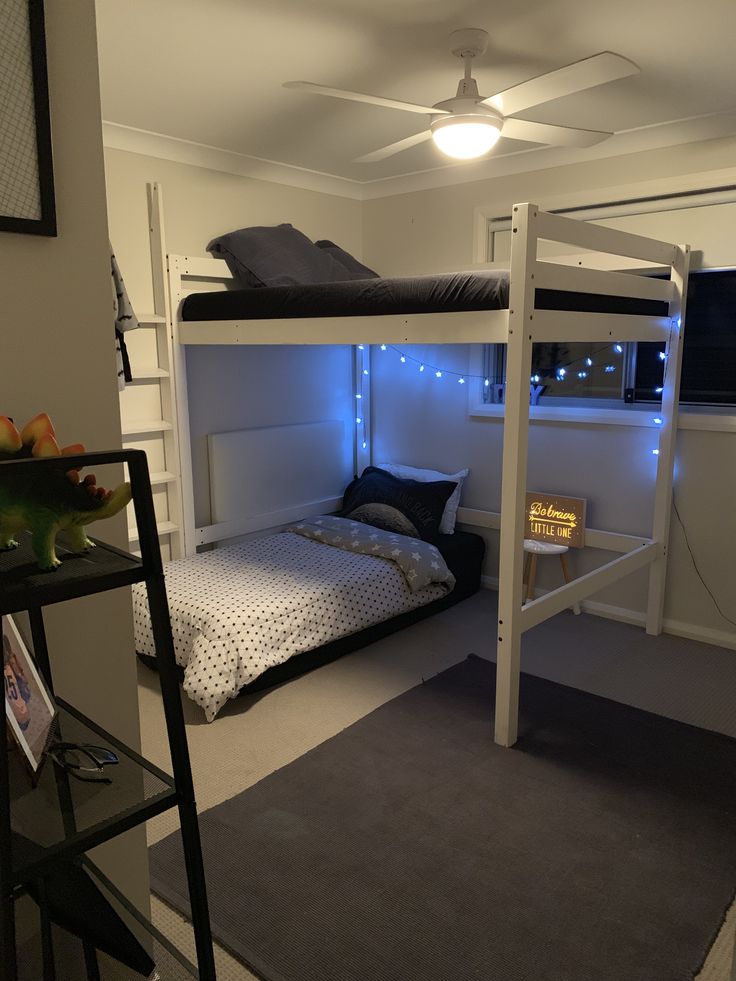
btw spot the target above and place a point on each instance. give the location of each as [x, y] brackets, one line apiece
[606, 263]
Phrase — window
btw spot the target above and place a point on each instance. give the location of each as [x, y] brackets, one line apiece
[608, 375]
[564, 371]
[709, 353]
[634, 372]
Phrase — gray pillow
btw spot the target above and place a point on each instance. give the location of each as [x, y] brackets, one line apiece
[278, 255]
[356, 269]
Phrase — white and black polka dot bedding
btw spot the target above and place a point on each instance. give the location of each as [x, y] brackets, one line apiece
[241, 609]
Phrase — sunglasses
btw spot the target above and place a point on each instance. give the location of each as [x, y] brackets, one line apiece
[83, 761]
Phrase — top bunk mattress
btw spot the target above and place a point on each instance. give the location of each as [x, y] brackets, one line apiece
[442, 293]
[486, 290]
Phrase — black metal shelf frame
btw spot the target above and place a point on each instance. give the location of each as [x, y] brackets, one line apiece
[24, 587]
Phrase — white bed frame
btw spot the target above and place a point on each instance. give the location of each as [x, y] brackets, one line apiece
[518, 327]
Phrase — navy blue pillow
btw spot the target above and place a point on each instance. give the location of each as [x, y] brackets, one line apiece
[408, 507]
[356, 269]
[276, 255]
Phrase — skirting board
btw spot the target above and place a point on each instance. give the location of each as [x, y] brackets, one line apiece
[678, 628]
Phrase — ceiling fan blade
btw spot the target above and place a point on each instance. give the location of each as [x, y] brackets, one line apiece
[372, 100]
[523, 129]
[586, 74]
[392, 148]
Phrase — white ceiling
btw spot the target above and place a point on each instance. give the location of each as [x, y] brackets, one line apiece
[210, 72]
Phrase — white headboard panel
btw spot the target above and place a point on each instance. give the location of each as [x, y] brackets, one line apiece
[260, 478]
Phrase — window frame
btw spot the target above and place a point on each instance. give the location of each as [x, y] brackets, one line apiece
[645, 198]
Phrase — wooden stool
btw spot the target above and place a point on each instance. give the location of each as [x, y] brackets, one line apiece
[534, 549]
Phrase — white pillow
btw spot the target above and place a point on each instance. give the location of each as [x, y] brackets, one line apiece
[449, 515]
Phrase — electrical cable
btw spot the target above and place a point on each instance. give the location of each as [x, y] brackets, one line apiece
[695, 566]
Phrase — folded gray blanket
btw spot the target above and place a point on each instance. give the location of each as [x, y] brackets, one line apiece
[421, 563]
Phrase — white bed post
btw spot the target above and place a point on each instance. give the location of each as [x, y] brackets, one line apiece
[362, 385]
[667, 442]
[513, 482]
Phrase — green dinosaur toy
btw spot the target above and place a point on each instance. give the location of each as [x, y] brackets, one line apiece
[51, 500]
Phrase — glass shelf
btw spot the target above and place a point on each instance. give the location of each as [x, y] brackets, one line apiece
[63, 816]
[23, 584]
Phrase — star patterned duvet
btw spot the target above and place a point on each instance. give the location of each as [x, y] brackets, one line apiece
[239, 610]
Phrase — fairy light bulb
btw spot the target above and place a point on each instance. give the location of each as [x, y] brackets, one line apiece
[618, 349]
[461, 381]
[486, 383]
[383, 347]
[662, 356]
[421, 367]
[589, 362]
[657, 421]
[402, 359]
[358, 419]
[438, 374]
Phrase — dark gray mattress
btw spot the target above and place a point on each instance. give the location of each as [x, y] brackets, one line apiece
[443, 293]
[487, 290]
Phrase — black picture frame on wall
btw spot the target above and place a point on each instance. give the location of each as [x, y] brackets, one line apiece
[27, 202]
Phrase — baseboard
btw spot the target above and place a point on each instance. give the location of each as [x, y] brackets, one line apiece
[677, 628]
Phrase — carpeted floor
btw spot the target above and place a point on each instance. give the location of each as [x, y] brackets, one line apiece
[411, 848]
[255, 737]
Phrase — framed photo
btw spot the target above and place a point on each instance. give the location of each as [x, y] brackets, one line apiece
[26, 169]
[29, 709]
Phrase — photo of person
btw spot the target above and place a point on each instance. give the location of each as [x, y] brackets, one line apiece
[29, 710]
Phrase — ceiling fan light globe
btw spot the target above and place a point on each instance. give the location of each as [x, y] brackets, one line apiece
[466, 138]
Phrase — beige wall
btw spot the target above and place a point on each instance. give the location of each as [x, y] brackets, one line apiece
[419, 233]
[430, 231]
[200, 204]
[425, 423]
[57, 356]
[228, 387]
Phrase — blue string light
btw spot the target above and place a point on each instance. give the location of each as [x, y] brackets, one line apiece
[559, 374]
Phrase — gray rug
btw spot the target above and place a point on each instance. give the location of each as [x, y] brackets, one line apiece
[409, 846]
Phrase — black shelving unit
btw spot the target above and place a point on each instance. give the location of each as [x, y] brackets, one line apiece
[60, 818]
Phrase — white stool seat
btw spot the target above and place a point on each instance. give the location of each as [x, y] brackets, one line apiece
[543, 548]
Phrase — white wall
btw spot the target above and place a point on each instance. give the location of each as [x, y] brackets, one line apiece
[424, 421]
[57, 355]
[232, 387]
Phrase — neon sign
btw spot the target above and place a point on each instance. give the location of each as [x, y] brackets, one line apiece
[550, 518]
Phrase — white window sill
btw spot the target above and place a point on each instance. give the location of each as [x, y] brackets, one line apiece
[711, 420]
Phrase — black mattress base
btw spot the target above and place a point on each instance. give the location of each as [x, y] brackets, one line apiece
[463, 552]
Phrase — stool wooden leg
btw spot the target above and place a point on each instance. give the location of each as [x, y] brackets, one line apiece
[568, 578]
[532, 576]
[527, 563]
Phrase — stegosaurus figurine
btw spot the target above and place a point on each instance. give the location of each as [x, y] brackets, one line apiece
[52, 500]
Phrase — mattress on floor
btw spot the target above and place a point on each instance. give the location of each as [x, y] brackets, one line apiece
[443, 293]
[240, 610]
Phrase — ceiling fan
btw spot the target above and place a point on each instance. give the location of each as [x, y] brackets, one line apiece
[468, 125]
